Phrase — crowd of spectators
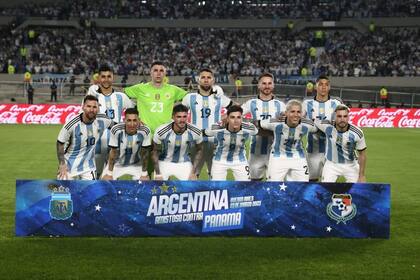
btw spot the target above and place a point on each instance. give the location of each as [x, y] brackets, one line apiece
[393, 52]
[176, 9]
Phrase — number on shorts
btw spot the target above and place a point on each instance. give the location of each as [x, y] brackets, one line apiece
[247, 170]
[306, 169]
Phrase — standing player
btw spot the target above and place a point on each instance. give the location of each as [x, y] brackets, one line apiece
[156, 99]
[111, 103]
[172, 144]
[343, 139]
[264, 107]
[76, 142]
[230, 146]
[206, 109]
[287, 158]
[321, 107]
[130, 145]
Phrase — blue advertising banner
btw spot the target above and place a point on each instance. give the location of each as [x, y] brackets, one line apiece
[201, 208]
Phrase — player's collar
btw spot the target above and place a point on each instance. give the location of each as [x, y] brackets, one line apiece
[172, 126]
[329, 97]
[272, 97]
[81, 119]
[100, 91]
[211, 92]
[348, 128]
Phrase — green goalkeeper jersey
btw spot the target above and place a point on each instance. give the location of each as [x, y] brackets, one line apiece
[155, 104]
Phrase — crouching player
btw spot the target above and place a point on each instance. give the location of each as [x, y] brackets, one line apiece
[287, 158]
[130, 145]
[172, 146]
[77, 139]
[230, 146]
[343, 139]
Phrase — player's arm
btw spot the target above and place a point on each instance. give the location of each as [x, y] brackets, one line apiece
[265, 127]
[310, 125]
[62, 173]
[322, 124]
[198, 156]
[155, 157]
[113, 153]
[144, 155]
[362, 166]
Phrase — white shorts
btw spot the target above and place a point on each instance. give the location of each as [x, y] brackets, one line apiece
[315, 164]
[258, 166]
[88, 175]
[332, 171]
[119, 171]
[288, 169]
[181, 170]
[240, 171]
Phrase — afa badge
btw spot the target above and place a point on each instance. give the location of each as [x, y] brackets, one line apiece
[341, 208]
[61, 205]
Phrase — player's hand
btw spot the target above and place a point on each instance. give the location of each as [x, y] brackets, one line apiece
[144, 178]
[62, 173]
[281, 117]
[107, 177]
[361, 179]
[158, 177]
[192, 177]
[224, 120]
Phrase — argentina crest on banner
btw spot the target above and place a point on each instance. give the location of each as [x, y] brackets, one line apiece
[61, 205]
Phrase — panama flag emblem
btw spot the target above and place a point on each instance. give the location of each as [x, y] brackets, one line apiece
[341, 208]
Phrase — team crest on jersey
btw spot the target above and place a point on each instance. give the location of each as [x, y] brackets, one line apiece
[157, 96]
[61, 205]
[168, 95]
[341, 208]
[205, 103]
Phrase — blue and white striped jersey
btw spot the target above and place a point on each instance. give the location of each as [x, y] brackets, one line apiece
[315, 110]
[262, 110]
[129, 146]
[288, 140]
[177, 147]
[80, 140]
[341, 146]
[113, 106]
[205, 110]
[230, 146]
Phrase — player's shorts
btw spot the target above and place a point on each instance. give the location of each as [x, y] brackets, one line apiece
[88, 175]
[315, 165]
[288, 169]
[180, 170]
[332, 171]
[240, 171]
[119, 171]
[258, 165]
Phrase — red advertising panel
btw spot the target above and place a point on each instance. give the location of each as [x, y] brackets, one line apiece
[60, 113]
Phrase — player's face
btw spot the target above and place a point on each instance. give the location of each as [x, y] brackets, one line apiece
[235, 121]
[90, 109]
[131, 123]
[105, 79]
[206, 80]
[323, 87]
[293, 115]
[266, 85]
[342, 119]
[158, 72]
[180, 120]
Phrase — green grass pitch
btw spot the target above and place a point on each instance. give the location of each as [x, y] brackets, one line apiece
[28, 152]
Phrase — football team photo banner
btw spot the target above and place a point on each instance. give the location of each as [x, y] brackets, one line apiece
[201, 208]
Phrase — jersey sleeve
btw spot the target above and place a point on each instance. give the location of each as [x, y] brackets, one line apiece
[127, 103]
[226, 101]
[246, 107]
[64, 135]
[250, 128]
[133, 91]
[179, 93]
[198, 139]
[113, 139]
[310, 125]
[361, 143]
[322, 124]
[269, 124]
[212, 130]
[186, 100]
[147, 141]
[304, 106]
[156, 139]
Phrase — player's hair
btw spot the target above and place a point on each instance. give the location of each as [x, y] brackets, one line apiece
[156, 63]
[132, 111]
[341, 107]
[105, 68]
[179, 108]
[234, 108]
[206, 70]
[90, 98]
[293, 102]
[266, 74]
[322, 77]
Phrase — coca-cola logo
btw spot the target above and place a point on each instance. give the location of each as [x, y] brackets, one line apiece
[385, 112]
[69, 108]
[8, 117]
[407, 122]
[46, 118]
[365, 121]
